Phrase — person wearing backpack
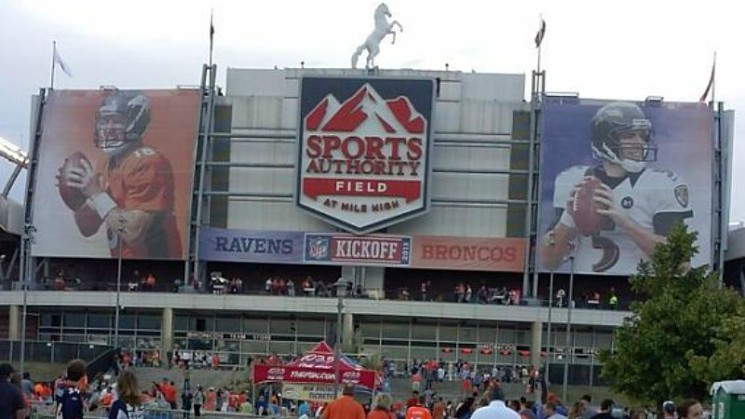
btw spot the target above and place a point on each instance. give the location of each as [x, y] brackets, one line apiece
[71, 404]
[128, 404]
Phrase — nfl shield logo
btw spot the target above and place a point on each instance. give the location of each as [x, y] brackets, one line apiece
[318, 247]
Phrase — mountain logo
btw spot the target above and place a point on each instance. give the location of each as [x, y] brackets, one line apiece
[363, 160]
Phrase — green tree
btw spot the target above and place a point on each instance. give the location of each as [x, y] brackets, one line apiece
[728, 359]
[665, 349]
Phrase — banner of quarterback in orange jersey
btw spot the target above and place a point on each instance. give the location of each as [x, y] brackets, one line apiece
[114, 173]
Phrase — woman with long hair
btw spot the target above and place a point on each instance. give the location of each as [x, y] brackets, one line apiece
[129, 403]
[382, 409]
[690, 409]
[577, 410]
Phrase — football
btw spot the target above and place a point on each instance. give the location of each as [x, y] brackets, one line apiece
[72, 197]
[584, 208]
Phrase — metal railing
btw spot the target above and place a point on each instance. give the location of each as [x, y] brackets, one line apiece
[52, 352]
[47, 412]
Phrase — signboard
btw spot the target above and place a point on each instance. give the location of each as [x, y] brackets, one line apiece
[305, 375]
[114, 173]
[653, 167]
[469, 253]
[310, 392]
[364, 150]
[360, 250]
[423, 252]
[218, 244]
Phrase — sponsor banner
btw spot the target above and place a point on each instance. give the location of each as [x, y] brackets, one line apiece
[115, 164]
[310, 392]
[364, 149]
[362, 250]
[218, 244]
[292, 374]
[469, 253]
[640, 167]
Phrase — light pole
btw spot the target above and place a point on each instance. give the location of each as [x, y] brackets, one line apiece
[25, 276]
[341, 289]
[548, 334]
[120, 243]
[570, 301]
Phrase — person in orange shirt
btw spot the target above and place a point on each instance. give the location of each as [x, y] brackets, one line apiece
[344, 407]
[39, 391]
[209, 405]
[169, 393]
[418, 411]
[107, 398]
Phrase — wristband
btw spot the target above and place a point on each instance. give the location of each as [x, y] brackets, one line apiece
[102, 203]
[567, 219]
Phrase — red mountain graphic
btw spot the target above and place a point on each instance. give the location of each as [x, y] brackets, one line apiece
[394, 115]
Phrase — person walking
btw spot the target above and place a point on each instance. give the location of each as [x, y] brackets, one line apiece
[344, 407]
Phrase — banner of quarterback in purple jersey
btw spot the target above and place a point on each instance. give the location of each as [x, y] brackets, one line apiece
[616, 176]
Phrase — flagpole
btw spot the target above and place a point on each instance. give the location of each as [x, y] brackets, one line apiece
[54, 50]
[212, 34]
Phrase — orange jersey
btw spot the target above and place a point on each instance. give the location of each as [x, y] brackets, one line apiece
[143, 180]
[418, 412]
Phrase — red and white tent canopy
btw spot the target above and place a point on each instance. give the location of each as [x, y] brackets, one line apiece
[317, 367]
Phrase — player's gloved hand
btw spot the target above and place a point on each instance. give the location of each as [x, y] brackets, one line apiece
[83, 178]
[606, 198]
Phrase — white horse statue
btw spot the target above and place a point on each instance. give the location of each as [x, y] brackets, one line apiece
[372, 43]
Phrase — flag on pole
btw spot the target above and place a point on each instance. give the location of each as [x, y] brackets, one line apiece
[710, 85]
[212, 28]
[58, 60]
[541, 33]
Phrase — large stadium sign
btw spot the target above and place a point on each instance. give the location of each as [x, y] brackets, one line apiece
[363, 160]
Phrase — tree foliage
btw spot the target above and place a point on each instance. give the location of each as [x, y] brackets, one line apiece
[678, 340]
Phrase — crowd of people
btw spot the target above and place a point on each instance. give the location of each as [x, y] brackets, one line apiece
[491, 403]
[122, 396]
[308, 286]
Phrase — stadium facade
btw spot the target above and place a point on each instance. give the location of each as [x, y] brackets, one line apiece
[389, 179]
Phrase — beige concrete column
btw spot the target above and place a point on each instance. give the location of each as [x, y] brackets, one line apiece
[166, 335]
[536, 332]
[14, 322]
[347, 336]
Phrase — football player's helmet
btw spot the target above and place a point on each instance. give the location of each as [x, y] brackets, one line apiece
[121, 119]
[610, 124]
